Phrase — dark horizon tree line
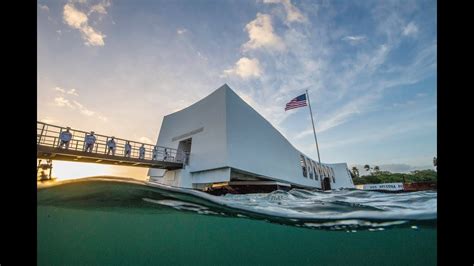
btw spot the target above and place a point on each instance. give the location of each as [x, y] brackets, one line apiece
[377, 176]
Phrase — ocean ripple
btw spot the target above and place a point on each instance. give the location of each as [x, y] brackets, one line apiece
[348, 210]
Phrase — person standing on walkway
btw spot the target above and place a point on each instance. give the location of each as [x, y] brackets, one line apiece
[142, 152]
[89, 141]
[155, 153]
[64, 138]
[128, 149]
[111, 146]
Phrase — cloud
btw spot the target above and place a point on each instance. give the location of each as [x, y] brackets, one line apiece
[181, 31]
[342, 115]
[405, 104]
[355, 39]
[83, 109]
[246, 68]
[339, 116]
[103, 118]
[410, 30]
[200, 55]
[48, 120]
[72, 92]
[63, 91]
[79, 20]
[287, 73]
[145, 140]
[74, 17]
[373, 88]
[100, 8]
[370, 73]
[293, 14]
[59, 89]
[352, 86]
[43, 7]
[378, 58]
[60, 101]
[260, 31]
[93, 38]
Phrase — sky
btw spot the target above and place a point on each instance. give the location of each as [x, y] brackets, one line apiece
[117, 67]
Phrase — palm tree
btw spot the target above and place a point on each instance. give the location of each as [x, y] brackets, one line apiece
[355, 171]
[367, 167]
[376, 169]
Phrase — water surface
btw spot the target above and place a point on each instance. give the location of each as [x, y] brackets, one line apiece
[117, 222]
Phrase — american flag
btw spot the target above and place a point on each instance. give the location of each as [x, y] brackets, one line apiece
[299, 101]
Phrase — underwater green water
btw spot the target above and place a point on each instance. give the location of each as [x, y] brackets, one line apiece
[70, 233]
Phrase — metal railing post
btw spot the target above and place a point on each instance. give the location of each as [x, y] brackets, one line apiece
[59, 140]
[41, 134]
[84, 142]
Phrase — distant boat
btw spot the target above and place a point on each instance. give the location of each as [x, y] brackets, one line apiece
[227, 147]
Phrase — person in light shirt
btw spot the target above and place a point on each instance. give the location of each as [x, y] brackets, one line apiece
[65, 138]
[142, 152]
[128, 149]
[89, 141]
[111, 146]
[155, 153]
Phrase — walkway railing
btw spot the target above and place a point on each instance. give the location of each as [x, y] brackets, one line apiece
[48, 135]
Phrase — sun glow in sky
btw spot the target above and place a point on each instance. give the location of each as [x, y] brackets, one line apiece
[118, 67]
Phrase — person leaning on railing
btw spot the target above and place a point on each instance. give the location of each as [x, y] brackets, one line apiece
[64, 138]
[141, 154]
[111, 146]
[89, 141]
[155, 153]
[128, 149]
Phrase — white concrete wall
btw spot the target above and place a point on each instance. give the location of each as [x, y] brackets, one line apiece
[254, 145]
[343, 177]
[211, 176]
[209, 147]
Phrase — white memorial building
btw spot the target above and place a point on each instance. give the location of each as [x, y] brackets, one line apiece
[224, 142]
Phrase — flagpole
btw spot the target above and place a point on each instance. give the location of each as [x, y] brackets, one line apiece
[312, 121]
